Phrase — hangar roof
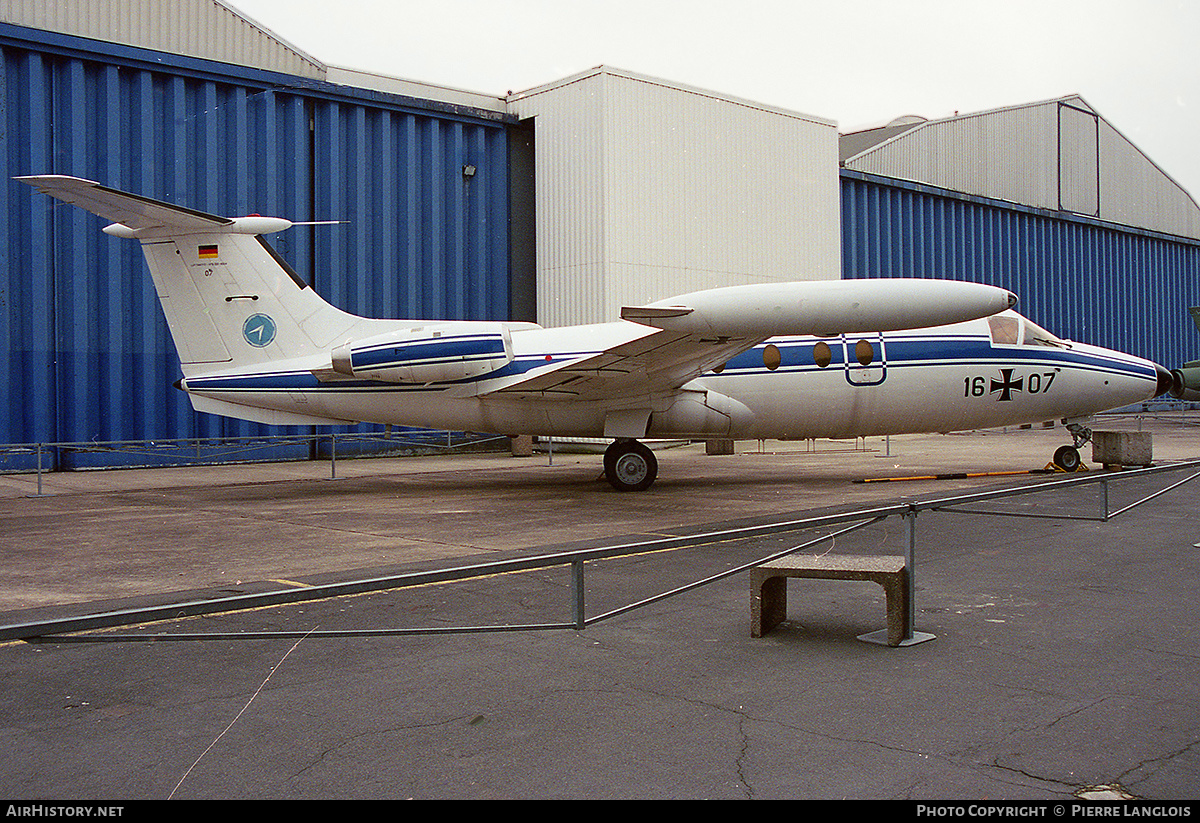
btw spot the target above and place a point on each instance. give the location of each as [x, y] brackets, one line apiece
[1057, 154]
[207, 29]
[213, 30]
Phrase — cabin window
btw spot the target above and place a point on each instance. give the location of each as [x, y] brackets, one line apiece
[771, 357]
[822, 354]
[864, 352]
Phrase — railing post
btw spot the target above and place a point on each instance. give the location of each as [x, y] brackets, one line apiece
[910, 546]
[39, 469]
[912, 636]
[1104, 491]
[577, 591]
[333, 455]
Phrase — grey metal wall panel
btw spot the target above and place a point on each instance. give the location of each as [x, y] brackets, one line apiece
[646, 189]
[86, 349]
[201, 28]
[1054, 154]
[1010, 154]
[1082, 279]
[1136, 192]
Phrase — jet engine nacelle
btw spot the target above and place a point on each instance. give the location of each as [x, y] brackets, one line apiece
[1185, 382]
[441, 353]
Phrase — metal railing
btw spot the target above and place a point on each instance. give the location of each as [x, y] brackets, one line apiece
[228, 450]
[50, 456]
[55, 630]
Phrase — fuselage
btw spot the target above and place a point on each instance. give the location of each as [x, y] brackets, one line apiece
[996, 371]
[256, 342]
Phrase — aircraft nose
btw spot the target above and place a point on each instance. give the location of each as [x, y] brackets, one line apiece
[1165, 380]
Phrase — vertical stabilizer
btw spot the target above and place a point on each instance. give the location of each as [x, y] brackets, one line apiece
[229, 299]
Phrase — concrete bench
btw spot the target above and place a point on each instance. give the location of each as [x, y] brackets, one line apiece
[769, 592]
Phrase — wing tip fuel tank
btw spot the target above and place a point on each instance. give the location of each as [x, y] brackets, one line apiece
[824, 307]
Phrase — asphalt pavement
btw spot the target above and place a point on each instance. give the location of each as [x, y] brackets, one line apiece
[1061, 662]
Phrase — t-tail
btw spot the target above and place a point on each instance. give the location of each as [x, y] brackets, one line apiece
[231, 302]
[217, 279]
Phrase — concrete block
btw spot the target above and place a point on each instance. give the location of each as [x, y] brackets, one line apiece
[522, 445]
[718, 447]
[1122, 448]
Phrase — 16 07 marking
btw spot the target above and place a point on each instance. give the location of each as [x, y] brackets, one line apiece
[1035, 383]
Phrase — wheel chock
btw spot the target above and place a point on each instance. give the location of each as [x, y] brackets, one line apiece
[1054, 467]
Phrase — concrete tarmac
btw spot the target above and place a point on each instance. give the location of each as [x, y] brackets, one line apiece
[1062, 659]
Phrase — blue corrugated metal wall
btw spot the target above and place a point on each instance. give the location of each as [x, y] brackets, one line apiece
[87, 352]
[1080, 278]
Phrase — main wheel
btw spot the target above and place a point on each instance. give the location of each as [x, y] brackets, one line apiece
[1067, 458]
[629, 466]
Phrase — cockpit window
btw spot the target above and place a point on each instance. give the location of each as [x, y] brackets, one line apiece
[1012, 330]
[1004, 330]
[1035, 335]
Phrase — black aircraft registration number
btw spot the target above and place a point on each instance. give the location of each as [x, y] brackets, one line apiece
[1035, 383]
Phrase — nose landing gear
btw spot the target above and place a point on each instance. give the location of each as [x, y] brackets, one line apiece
[1067, 457]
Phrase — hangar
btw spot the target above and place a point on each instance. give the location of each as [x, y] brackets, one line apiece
[556, 204]
[1047, 199]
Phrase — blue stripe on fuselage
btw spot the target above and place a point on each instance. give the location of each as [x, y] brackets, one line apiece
[796, 354]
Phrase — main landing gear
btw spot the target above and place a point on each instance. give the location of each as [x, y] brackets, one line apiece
[1067, 457]
[629, 466]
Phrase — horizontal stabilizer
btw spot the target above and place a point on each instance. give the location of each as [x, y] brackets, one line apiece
[139, 214]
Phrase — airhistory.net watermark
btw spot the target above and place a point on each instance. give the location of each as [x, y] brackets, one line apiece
[53, 810]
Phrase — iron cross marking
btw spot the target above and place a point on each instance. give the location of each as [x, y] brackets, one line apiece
[1007, 385]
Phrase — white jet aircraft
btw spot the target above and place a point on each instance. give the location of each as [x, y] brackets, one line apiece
[838, 359]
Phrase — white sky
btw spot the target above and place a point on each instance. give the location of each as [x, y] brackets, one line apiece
[859, 63]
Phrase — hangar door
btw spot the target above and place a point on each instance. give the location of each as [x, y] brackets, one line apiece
[1078, 160]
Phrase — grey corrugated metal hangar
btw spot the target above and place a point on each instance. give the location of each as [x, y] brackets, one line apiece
[1047, 199]
[559, 203]
[647, 189]
[1060, 155]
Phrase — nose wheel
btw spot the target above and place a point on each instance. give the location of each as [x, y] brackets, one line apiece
[1067, 457]
[629, 466]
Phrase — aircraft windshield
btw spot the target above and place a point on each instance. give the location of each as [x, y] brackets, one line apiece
[1005, 330]
[1011, 330]
[1035, 335]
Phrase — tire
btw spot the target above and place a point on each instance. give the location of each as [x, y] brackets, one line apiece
[629, 466]
[1067, 458]
[611, 454]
